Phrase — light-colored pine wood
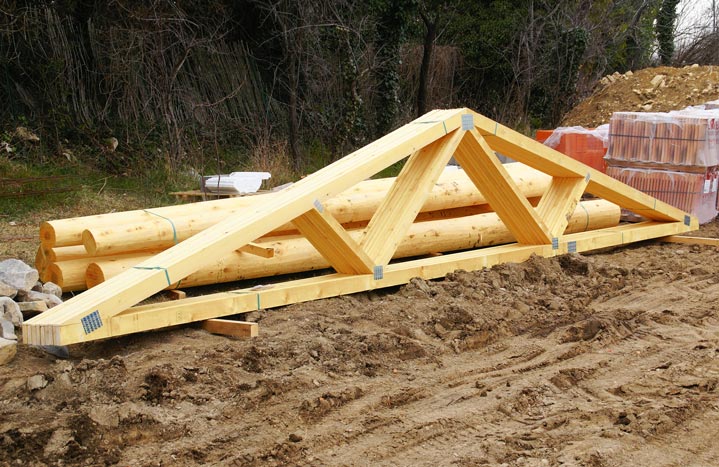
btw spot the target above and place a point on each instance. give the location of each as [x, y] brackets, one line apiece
[105, 310]
[492, 179]
[406, 197]
[160, 228]
[690, 240]
[227, 327]
[176, 294]
[258, 250]
[65, 253]
[295, 254]
[41, 264]
[547, 160]
[147, 317]
[333, 242]
[170, 266]
[559, 202]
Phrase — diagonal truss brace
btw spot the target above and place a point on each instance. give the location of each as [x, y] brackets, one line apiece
[333, 242]
[491, 178]
[559, 202]
[406, 197]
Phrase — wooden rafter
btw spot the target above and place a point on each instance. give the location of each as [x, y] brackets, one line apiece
[547, 160]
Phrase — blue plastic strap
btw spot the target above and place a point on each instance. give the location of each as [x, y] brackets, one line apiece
[157, 268]
[174, 230]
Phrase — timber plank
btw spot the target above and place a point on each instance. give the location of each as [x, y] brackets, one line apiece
[258, 250]
[228, 327]
[690, 240]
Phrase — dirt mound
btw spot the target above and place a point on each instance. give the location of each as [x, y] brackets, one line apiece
[648, 90]
[608, 359]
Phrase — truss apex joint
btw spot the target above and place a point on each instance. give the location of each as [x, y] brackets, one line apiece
[467, 122]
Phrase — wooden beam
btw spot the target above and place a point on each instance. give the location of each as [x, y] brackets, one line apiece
[559, 202]
[96, 306]
[148, 317]
[491, 178]
[406, 197]
[228, 327]
[257, 250]
[333, 242]
[545, 159]
[176, 294]
[690, 240]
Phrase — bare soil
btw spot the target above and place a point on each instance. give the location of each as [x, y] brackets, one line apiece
[635, 92]
[608, 359]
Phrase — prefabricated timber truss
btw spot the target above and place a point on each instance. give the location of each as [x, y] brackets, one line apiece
[429, 142]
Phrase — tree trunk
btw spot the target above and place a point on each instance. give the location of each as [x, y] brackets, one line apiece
[429, 37]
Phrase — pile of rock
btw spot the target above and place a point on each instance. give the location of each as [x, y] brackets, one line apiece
[21, 293]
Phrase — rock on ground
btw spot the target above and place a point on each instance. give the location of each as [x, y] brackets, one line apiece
[10, 311]
[7, 329]
[36, 382]
[6, 290]
[8, 349]
[18, 274]
[29, 307]
[52, 288]
[50, 300]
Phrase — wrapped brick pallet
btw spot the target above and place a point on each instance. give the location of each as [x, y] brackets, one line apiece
[672, 156]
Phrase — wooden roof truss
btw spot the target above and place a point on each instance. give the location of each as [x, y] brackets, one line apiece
[429, 142]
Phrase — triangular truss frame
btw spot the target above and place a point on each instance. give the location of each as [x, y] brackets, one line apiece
[429, 142]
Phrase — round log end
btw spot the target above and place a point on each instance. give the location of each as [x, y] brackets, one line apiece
[94, 275]
[47, 235]
[88, 240]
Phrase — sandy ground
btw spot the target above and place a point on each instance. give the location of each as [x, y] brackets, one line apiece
[609, 359]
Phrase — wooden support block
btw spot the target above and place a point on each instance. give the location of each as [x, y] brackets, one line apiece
[690, 240]
[406, 197]
[176, 294]
[333, 242]
[559, 202]
[227, 327]
[258, 250]
[503, 195]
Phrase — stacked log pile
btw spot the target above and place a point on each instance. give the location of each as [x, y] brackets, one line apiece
[672, 156]
[82, 252]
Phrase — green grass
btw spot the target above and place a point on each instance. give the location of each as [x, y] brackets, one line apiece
[82, 190]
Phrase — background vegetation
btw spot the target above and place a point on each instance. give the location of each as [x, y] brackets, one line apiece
[186, 87]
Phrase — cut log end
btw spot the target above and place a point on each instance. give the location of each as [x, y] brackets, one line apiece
[47, 235]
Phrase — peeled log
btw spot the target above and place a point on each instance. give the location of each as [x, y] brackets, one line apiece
[295, 254]
[70, 274]
[454, 190]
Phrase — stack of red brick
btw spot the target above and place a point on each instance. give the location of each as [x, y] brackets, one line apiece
[588, 146]
[671, 156]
